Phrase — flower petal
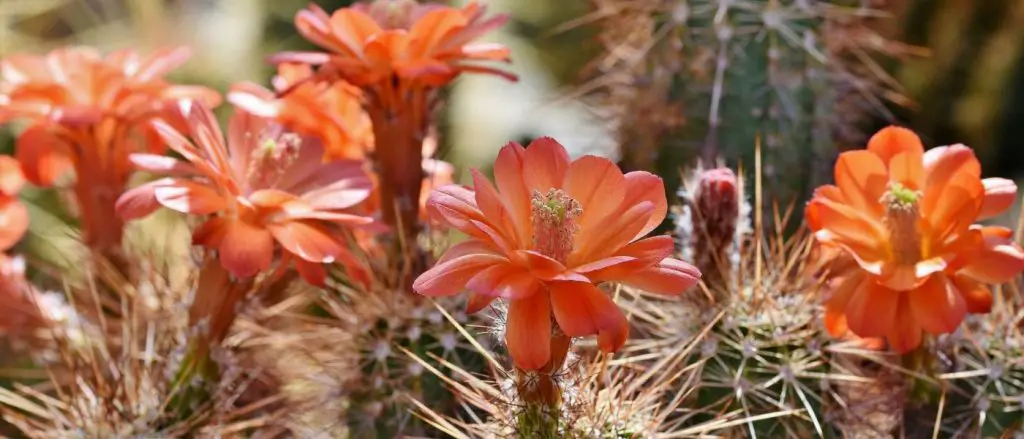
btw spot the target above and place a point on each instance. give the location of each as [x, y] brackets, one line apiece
[43, 156]
[598, 185]
[955, 208]
[11, 177]
[312, 272]
[161, 165]
[246, 249]
[493, 208]
[1000, 194]
[862, 177]
[307, 240]
[545, 268]
[187, 196]
[140, 202]
[813, 217]
[630, 259]
[211, 233]
[945, 167]
[835, 305]
[528, 331]
[464, 248]
[450, 277]
[907, 169]
[545, 164]
[999, 260]
[610, 239]
[905, 334]
[871, 311]
[582, 309]
[508, 175]
[643, 186]
[842, 225]
[13, 222]
[669, 276]
[936, 306]
[504, 280]
[455, 206]
[977, 295]
[893, 140]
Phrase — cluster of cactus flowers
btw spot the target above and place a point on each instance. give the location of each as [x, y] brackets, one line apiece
[310, 291]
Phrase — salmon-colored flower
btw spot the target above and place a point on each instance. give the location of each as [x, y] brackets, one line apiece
[261, 185]
[399, 53]
[544, 237]
[87, 113]
[333, 112]
[13, 214]
[911, 258]
[394, 47]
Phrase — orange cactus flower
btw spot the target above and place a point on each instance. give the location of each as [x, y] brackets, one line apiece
[87, 113]
[262, 185]
[910, 258]
[332, 112]
[13, 214]
[543, 238]
[399, 53]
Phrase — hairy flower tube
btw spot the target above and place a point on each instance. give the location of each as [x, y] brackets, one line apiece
[545, 236]
[87, 113]
[262, 188]
[911, 258]
[399, 53]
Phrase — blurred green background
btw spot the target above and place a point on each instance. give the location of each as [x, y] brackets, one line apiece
[968, 88]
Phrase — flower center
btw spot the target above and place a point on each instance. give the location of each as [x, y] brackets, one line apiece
[393, 14]
[272, 158]
[901, 219]
[554, 217]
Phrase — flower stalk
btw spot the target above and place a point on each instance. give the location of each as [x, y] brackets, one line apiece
[540, 392]
[399, 133]
[211, 314]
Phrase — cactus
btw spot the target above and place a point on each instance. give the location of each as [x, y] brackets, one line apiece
[599, 399]
[798, 75]
[985, 378]
[757, 357]
[383, 324]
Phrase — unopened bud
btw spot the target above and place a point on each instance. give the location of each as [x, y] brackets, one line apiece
[715, 209]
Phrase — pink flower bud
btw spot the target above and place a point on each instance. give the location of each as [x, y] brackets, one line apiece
[716, 208]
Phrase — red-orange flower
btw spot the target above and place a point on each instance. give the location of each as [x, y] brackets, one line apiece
[911, 257]
[87, 113]
[396, 47]
[399, 53]
[262, 185]
[544, 237]
[334, 114]
[13, 214]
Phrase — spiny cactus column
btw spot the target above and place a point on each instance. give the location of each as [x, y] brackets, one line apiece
[795, 74]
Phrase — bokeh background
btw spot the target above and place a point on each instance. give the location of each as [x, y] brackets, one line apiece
[962, 77]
